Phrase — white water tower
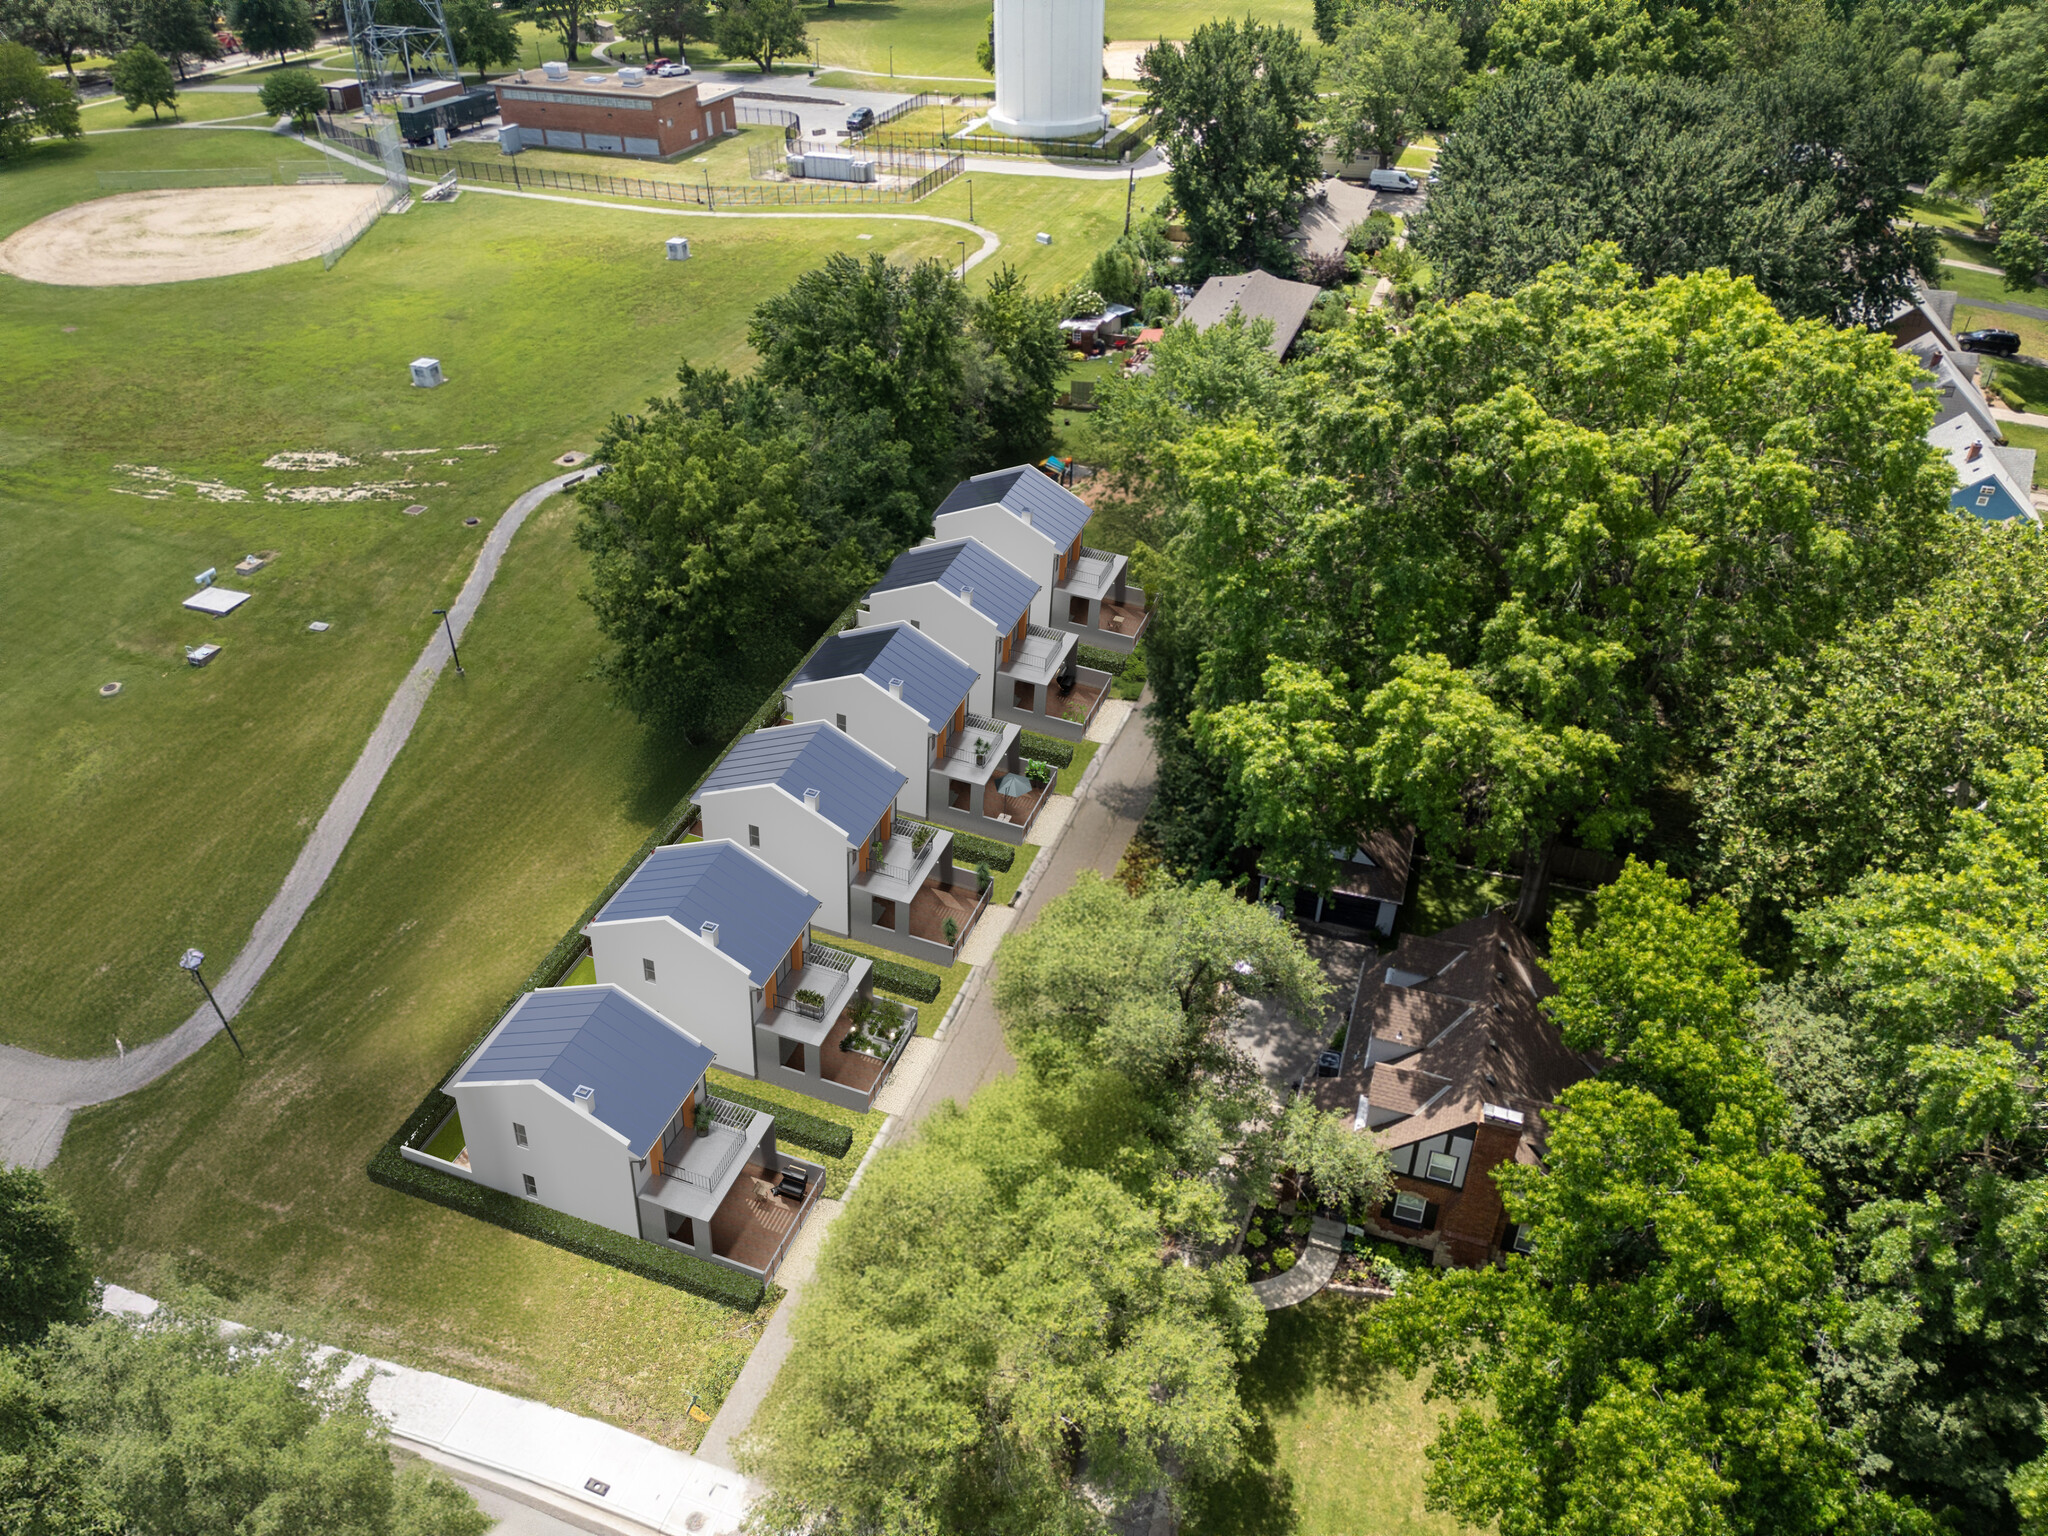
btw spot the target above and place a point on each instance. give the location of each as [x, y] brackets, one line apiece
[1049, 69]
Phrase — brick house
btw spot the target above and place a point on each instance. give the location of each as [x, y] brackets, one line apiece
[1450, 1063]
[627, 113]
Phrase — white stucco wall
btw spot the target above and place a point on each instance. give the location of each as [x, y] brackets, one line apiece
[579, 1165]
[1048, 68]
[794, 841]
[704, 990]
[887, 727]
[952, 621]
[1005, 532]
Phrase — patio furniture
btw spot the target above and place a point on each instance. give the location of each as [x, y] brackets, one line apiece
[794, 1182]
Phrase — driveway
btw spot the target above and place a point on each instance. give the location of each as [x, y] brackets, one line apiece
[1282, 1042]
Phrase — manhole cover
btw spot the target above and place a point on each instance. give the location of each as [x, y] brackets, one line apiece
[108, 690]
[471, 522]
[416, 509]
[318, 626]
[571, 459]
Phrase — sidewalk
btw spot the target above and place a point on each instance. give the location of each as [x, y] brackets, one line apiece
[542, 1457]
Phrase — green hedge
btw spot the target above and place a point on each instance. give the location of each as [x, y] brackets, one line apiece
[898, 976]
[798, 1127]
[635, 1255]
[971, 850]
[1112, 662]
[1047, 749]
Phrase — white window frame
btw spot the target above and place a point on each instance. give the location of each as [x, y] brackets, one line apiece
[1519, 1242]
[1430, 1172]
[646, 969]
[518, 1134]
[753, 835]
[532, 1189]
[1402, 1199]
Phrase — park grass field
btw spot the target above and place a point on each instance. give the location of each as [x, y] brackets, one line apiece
[168, 816]
[1336, 1446]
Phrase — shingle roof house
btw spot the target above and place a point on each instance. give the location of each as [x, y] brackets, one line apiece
[1450, 1063]
[1256, 296]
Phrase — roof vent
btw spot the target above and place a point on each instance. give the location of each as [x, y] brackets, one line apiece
[632, 75]
[709, 932]
[895, 687]
[555, 69]
[967, 594]
[584, 1098]
[1025, 513]
[811, 801]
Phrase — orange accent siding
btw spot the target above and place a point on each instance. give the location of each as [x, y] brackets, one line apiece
[796, 955]
[690, 1111]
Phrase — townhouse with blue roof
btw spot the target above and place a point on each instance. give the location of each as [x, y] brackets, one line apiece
[586, 1100]
[896, 691]
[1036, 524]
[821, 808]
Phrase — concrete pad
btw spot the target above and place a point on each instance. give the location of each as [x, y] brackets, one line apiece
[912, 1067]
[1110, 716]
[980, 946]
[30, 1134]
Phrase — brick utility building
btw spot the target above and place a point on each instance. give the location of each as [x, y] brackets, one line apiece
[627, 113]
[1450, 1065]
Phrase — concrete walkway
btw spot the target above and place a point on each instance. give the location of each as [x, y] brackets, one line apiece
[2020, 418]
[1310, 1274]
[42, 1091]
[544, 1458]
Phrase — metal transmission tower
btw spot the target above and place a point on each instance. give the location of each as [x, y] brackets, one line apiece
[390, 56]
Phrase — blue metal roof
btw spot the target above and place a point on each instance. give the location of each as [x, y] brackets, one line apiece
[854, 785]
[640, 1064]
[1055, 510]
[1002, 593]
[935, 681]
[759, 913]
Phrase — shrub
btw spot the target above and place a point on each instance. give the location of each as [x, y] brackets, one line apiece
[986, 850]
[798, 1127]
[1046, 749]
[1112, 662]
[900, 977]
[1371, 233]
[1328, 271]
[1301, 1225]
[983, 877]
[1283, 1260]
[951, 930]
[293, 93]
[1160, 307]
[814, 999]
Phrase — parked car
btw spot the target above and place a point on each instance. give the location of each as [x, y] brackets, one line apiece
[860, 119]
[672, 71]
[1998, 343]
[1395, 180]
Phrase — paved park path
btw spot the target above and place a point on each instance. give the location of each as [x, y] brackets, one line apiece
[38, 1093]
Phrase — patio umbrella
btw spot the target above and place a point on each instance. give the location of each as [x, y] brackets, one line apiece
[1013, 784]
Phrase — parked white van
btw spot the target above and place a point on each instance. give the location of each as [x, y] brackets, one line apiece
[1392, 181]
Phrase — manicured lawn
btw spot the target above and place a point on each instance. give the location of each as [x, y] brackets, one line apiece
[582, 974]
[2035, 438]
[1084, 754]
[192, 107]
[2023, 386]
[1337, 1445]
[214, 777]
[448, 1142]
[938, 37]
[967, 85]
[1983, 285]
[1946, 213]
[723, 160]
[1006, 881]
[520, 793]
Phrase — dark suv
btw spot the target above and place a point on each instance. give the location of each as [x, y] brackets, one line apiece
[860, 119]
[2000, 343]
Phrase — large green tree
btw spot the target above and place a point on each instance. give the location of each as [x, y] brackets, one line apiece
[31, 103]
[2004, 95]
[1392, 76]
[179, 30]
[564, 18]
[2020, 210]
[142, 78]
[1934, 975]
[708, 577]
[1490, 571]
[64, 29]
[1795, 177]
[1600, 37]
[173, 1429]
[45, 1274]
[1233, 109]
[1646, 1367]
[483, 35]
[1021, 357]
[1854, 757]
[761, 30]
[294, 93]
[272, 26]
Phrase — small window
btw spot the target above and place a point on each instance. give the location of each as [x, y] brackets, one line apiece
[1443, 1168]
[1518, 1238]
[840, 721]
[753, 841]
[1411, 1209]
[1023, 696]
[532, 1189]
[519, 1133]
[647, 969]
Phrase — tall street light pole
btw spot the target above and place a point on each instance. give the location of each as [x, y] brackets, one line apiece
[445, 624]
[191, 960]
